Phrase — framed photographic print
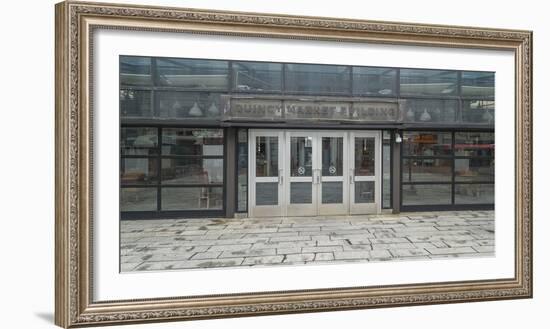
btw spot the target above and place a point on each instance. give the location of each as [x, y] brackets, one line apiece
[217, 164]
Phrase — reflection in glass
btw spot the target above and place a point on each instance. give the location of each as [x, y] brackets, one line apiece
[193, 74]
[478, 111]
[175, 104]
[332, 156]
[138, 171]
[423, 110]
[427, 143]
[255, 76]
[427, 170]
[267, 156]
[475, 170]
[379, 81]
[364, 192]
[138, 141]
[192, 198]
[317, 79]
[135, 103]
[364, 156]
[480, 84]
[475, 144]
[332, 192]
[135, 71]
[426, 194]
[192, 171]
[428, 82]
[386, 169]
[301, 192]
[474, 193]
[242, 169]
[301, 156]
[192, 141]
[138, 199]
[267, 194]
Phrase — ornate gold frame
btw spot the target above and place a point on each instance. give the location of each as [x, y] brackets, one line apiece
[76, 21]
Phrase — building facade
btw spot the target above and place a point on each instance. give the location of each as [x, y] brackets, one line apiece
[219, 138]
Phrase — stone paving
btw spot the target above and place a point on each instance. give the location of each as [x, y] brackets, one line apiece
[170, 244]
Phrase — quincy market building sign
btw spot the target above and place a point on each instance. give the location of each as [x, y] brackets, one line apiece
[254, 109]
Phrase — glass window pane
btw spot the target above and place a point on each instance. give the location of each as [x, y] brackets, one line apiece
[192, 171]
[193, 74]
[174, 104]
[192, 198]
[267, 156]
[475, 144]
[192, 141]
[138, 141]
[135, 71]
[301, 156]
[420, 82]
[475, 170]
[372, 81]
[317, 79]
[332, 156]
[138, 199]
[426, 143]
[135, 103]
[474, 193]
[478, 84]
[332, 192]
[364, 192]
[426, 194]
[301, 192]
[478, 111]
[386, 169]
[364, 156]
[433, 110]
[267, 194]
[242, 169]
[138, 171]
[258, 77]
[427, 170]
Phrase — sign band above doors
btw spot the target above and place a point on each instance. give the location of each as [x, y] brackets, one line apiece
[321, 109]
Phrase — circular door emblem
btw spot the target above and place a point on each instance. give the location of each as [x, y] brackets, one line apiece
[301, 170]
[332, 170]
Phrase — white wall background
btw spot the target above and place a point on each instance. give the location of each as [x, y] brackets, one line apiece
[27, 163]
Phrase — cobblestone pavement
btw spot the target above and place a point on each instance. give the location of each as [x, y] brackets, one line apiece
[170, 244]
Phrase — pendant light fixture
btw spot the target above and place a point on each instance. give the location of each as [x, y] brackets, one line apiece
[195, 111]
[425, 116]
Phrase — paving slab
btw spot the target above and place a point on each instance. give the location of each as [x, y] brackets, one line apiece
[202, 243]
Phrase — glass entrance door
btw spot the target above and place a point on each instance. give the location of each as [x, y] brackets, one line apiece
[313, 173]
[364, 172]
[302, 153]
[266, 149]
[333, 162]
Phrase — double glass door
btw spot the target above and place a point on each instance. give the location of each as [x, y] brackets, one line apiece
[313, 173]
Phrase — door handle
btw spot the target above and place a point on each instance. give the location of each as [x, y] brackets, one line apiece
[351, 175]
[281, 178]
[318, 176]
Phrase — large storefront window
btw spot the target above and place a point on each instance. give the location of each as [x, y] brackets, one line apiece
[257, 77]
[184, 172]
[317, 79]
[443, 168]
